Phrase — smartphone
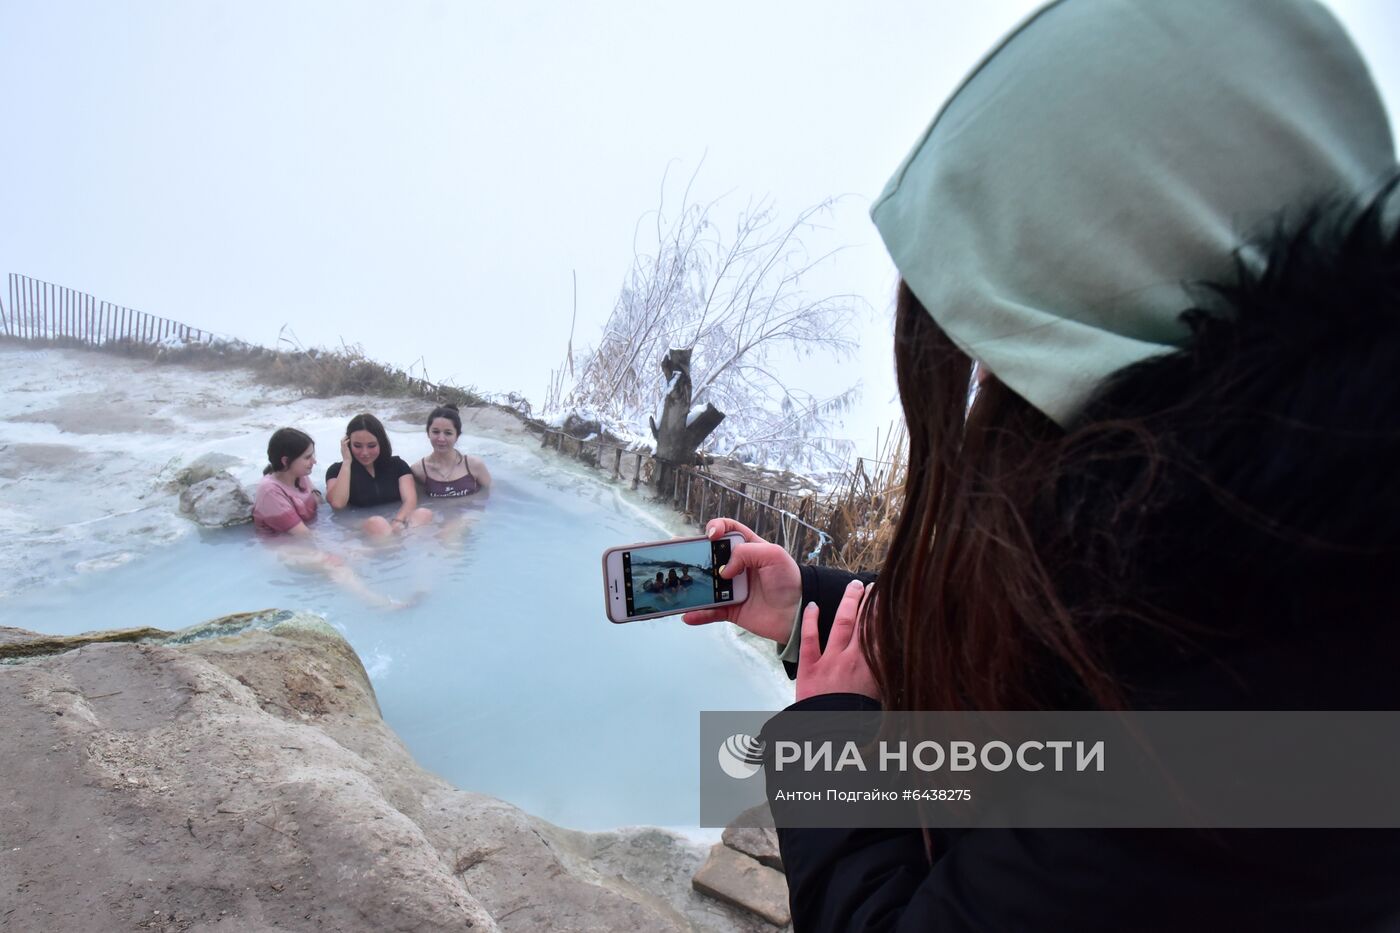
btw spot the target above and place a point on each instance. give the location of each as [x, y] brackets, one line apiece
[663, 578]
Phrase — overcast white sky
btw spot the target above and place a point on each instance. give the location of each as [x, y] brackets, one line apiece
[421, 177]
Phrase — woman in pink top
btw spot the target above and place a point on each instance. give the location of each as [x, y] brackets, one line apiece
[286, 501]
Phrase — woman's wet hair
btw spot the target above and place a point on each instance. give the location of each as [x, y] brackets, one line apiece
[285, 444]
[1029, 560]
[445, 411]
[367, 422]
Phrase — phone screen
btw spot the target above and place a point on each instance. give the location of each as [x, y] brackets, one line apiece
[675, 576]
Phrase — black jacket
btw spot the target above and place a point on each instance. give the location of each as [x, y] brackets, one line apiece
[1113, 880]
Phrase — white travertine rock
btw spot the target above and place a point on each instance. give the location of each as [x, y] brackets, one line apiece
[217, 501]
[239, 773]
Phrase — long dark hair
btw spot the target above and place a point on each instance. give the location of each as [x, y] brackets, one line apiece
[367, 422]
[964, 597]
[285, 445]
[1032, 565]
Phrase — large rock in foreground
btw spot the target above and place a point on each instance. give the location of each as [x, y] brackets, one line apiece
[247, 782]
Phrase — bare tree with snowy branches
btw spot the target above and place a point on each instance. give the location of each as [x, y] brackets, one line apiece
[700, 322]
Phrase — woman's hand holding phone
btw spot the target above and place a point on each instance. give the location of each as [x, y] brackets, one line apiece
[775, 585]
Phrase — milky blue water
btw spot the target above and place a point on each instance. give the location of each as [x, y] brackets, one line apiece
[504, 675]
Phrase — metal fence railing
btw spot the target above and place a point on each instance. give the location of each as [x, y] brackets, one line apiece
[39, 310]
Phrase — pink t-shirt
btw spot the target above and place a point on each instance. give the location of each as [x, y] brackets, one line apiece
[278, 508]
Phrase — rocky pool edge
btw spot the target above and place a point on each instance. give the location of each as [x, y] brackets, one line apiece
[240, 771]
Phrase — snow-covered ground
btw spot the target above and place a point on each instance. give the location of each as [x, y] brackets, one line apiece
[91, 443]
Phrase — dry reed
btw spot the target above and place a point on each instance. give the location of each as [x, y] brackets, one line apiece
[318, 373]
[863, 513]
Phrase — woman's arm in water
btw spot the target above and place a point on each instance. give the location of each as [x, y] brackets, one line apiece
[338, 489]
[483, 475]
[409, 500]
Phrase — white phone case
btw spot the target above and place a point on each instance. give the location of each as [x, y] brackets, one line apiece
[615, 598]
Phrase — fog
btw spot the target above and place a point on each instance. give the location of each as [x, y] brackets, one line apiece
[426, 179]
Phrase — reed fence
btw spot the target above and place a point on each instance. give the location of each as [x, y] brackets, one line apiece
[40, 310]
[797, 523]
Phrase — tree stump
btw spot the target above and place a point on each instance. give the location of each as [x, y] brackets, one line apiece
[678, 435]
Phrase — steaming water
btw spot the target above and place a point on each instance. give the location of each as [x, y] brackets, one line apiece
[504, 676]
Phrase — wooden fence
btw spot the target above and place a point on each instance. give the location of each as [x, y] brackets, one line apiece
[39, 310]
[795, 522]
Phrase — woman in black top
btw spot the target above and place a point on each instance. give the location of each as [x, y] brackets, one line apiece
[376, 477]
[1165, 495]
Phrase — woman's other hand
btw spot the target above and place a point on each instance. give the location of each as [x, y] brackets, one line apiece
[841, 668]
[345, 451]
[775, 585]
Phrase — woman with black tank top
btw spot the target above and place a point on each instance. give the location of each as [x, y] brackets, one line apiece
[449, 476]
[447, 473]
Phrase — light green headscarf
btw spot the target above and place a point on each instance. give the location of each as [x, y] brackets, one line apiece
[1106, 154]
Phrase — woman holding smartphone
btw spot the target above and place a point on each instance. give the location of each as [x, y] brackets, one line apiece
[374, 477]
[1166, 234]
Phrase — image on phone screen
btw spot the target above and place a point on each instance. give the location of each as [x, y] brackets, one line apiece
[675, 577]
